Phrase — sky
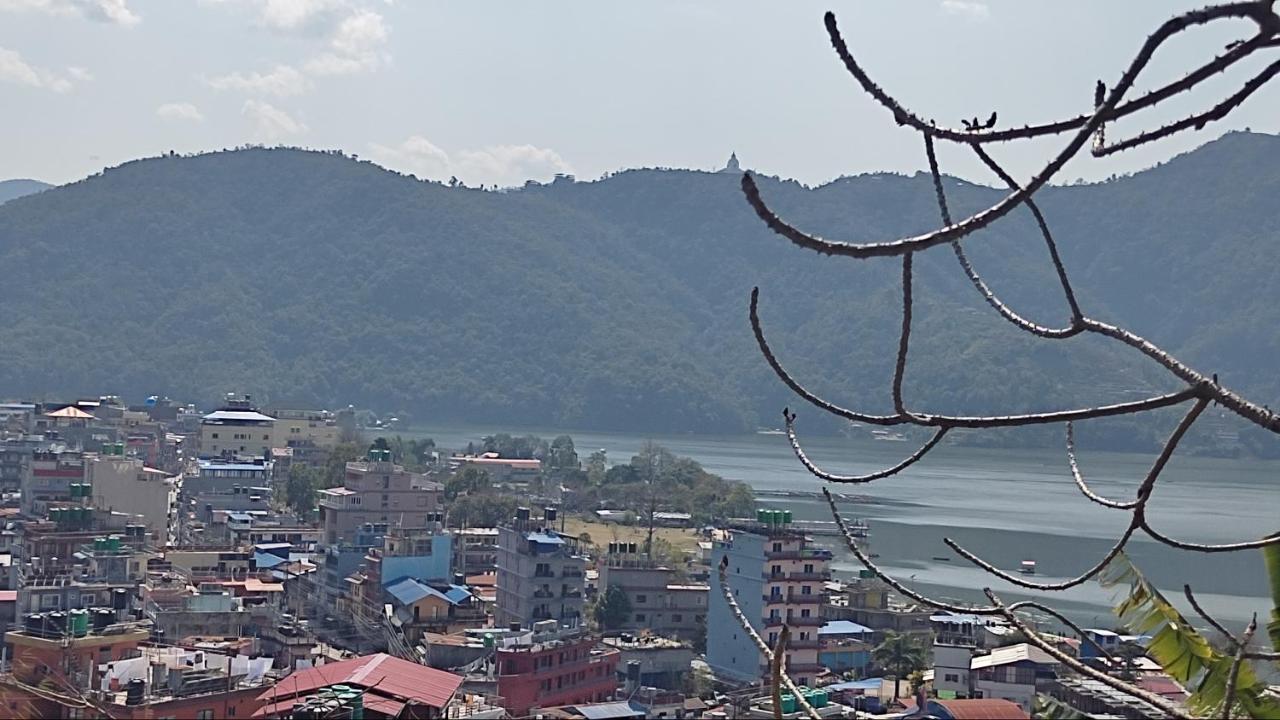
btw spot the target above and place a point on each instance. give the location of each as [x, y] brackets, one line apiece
[502, 92]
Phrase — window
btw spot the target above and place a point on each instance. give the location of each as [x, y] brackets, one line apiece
[677, 618]
[205, 714]
[641, 599]
[266, 437]
[808, 569]
[640, 617]
[215, 436]
[806, 590]
[804, 613]
[777, 547]
[952, 678]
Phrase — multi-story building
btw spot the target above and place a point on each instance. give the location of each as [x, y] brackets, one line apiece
[62, 568]
[49, 479]
[236, 430]
[377, 490]
[660, 602]
[295, 428]
[475, 550]
[777, 577]
[58, 653]
[553, 667]
[540, 573]
[126, 484]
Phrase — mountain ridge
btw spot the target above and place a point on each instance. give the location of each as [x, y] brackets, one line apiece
[309, 277]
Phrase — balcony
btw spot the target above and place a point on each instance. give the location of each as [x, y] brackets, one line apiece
[806, 554]
[798, 644]
[571, 572]
[795, 621]
[794, 599]
[544, 573]
[543, 594]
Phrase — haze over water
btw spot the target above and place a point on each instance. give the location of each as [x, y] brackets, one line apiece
[1005, 505]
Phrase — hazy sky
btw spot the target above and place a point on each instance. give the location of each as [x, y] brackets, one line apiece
[498, 92]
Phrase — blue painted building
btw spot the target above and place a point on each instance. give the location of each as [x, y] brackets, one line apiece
[777, 579]
[846, 646]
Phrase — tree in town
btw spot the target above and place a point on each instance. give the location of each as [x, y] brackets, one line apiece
[1220, 678]
[613, 609]
[898, 655]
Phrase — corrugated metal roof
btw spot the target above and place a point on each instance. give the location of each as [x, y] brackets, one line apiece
[1012, 654]
[982, 709]
[843, 627]
[387, 679]
[545, 538]
[409, 590]
[221, 416]
[606, 711]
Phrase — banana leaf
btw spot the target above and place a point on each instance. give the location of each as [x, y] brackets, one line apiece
[1185, 654]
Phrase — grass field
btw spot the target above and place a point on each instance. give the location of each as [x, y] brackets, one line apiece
[602, 534]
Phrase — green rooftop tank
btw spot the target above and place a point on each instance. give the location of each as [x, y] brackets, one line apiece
[113, 543]
[786, 516]
[788, 703]
[79, 621]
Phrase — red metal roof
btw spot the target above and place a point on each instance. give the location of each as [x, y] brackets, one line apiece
[983, 709]
[386, 679]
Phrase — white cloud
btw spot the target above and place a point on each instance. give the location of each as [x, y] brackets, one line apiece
[15, 70]
[972, 9]
[180, 111]
[281, 81]
[504, 165]
[271, 122]
[109, 11]
[354, 46]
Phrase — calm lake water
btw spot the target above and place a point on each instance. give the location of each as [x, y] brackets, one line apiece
[1004, 505]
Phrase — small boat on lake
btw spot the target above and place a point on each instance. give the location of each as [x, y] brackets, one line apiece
[1028, 567]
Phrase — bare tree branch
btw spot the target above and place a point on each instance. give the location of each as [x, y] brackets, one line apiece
[830, 477]
[1197, 121]
[904, 339]
[1229, 697]
[1258, 12]
[1075, 473]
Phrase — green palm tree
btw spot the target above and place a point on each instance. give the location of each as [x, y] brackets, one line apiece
[898, 655]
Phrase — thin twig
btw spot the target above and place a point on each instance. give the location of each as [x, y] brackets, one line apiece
[1231, 638]
[1229, 697]
[869, 477]
[1079, 478]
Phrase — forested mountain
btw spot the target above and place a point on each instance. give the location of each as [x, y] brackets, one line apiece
[312, 278]
[11, 189]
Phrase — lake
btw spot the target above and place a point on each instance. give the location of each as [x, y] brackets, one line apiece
[1004, 505]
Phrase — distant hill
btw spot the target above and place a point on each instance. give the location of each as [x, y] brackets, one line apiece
[14, 189]
[312, 278]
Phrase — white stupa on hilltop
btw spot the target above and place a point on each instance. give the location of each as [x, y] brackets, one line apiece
[732, 166]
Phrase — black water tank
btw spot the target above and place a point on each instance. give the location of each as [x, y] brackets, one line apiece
[549, 514]
[102, 617]
[514, 626]
[459, 579]
[134, 691]
[119, 599]
[57, 624]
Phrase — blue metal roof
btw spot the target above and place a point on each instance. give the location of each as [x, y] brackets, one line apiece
[216, 465]
[267, 560]
[843, 627]
[240, 516]
[867, 684]
[545, 538]
[407, 590]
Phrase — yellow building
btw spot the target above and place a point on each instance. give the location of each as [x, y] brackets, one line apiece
[304, 427]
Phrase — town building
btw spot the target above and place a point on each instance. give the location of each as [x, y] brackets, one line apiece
[660, 602]
[181, 682]
[67, 651]
[50, 475]
[777, 577]
[126, 484]
[303, 428]
[387, 687]
[475, 550]
[553, 666]
[236, 429]
[845, 647]
[651, 660]
[540, 573]
[377, 490]
[501, 470]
